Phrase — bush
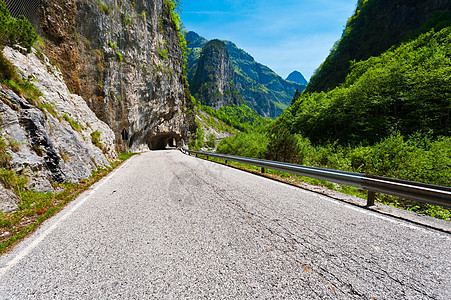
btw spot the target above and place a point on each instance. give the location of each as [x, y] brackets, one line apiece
[282, 145]
[244, 144]
[19, 34]
[211, 140]
[95, 138]
[198, 142]
[16, 32]
[406, 90]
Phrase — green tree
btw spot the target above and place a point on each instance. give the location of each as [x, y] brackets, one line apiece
[406, 90]
[296, 96]
[15, 32]
[211, 140]
[282, 145]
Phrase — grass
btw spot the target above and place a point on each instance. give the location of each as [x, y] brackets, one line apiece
[51, 109]
[163, 52]
[95, 139]
[26, 89]
[105, 9]
[434, 211]
[35, 207]
[74, 124]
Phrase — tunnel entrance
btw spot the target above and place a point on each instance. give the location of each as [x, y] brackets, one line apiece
[163, 141]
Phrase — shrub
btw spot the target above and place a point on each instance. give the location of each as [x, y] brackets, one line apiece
[211, 140]
[74, 124]
[282, 145]
[95, 138]
[16, 32]
[198, 142]
[244, 144]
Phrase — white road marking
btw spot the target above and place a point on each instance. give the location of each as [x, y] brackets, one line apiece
[49, 230]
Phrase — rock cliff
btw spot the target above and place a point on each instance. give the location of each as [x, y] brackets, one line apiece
[213, 82]
[109, 77]
[51, 140]
[261, 88]
[124, 59]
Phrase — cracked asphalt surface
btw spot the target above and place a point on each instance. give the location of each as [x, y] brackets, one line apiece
[166, 225]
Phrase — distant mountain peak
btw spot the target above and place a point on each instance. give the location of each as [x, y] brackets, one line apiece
[256, 85]
[213, 82]
[297, 77]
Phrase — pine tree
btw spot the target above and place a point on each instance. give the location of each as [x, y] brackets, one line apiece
[296, 96]
[282, 144]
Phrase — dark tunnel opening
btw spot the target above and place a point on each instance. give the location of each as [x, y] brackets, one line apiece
[162, 141]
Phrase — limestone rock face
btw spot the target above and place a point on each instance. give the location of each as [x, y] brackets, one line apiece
[124, 59]
[260, 87]
[213, 83]
[8, 201]
[52, 136]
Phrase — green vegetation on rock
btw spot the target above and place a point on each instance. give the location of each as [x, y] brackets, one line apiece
[241, 117]
[375, 26]
[173, 5]
[18, 34]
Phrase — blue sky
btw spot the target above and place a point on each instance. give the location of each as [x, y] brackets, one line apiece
[285, 35]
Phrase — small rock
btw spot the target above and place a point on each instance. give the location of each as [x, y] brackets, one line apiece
[8, 200]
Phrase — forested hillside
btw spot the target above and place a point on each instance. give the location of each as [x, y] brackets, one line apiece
[376, 26]
[406, 89]
[390, 113]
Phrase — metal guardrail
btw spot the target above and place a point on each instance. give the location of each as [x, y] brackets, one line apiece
[428, 193]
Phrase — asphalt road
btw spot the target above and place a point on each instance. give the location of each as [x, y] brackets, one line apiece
[166, 225]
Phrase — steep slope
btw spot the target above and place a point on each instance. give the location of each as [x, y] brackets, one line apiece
[211, 130]
[51, 139]
[106, 76]
[406, 90]
[261, 88]
[124, 59]
[376, 26]
[213, 82]
[195, 45]
[297, 77]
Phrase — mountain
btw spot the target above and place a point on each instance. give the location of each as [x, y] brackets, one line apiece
[376, 26]
[261, 88]
[212, 83]
[297, 77]
[195, 45]
[105, 77]
[402, 91]
[131, 77]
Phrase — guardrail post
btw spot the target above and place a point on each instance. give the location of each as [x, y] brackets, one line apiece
[225, 161]
[263, 170]
[371, 197]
